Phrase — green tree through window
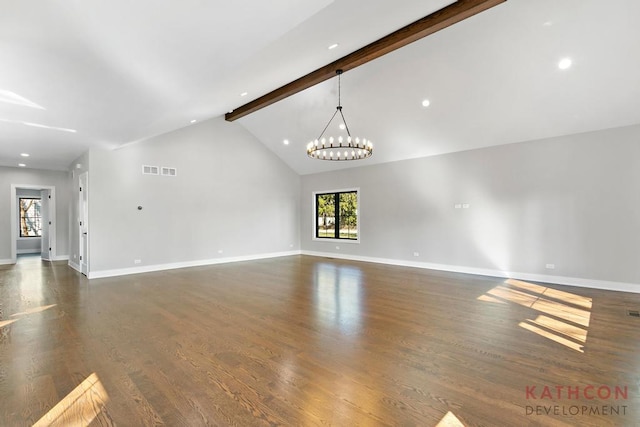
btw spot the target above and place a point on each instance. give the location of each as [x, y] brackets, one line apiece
[337, 215]
[30, 217]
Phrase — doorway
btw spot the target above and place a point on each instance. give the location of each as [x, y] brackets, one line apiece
[47, 220]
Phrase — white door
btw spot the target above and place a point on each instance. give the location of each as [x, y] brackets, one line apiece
[45, 215]
[83, 216]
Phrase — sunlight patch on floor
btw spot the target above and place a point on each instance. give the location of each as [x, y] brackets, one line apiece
[564, 316]
[20, 315]
[552, 336]
[34, 310]
[4, 323]
[489, 298]
[78, 408]
[450, 420]
[568, 297]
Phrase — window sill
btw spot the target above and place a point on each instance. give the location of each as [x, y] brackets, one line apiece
[329, 240]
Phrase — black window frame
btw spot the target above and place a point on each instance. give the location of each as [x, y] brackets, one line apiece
[336, 195]
[37, 236]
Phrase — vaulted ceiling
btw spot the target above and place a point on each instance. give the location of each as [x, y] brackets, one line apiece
[107, 73]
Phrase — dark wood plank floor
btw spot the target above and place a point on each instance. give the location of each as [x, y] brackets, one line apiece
[304, 341]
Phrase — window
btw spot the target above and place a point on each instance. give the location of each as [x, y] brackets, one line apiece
[30, 217]
[337, 208]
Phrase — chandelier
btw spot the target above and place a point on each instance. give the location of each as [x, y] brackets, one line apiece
[340, 148]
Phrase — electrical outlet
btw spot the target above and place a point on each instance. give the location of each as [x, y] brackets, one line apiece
[465, 205]
[550, 266]
[338, 247]
[220, 251]
[137, 261]
[416, 254]
[457, 206]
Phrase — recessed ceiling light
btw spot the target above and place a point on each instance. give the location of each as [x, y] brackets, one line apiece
[333, 46]
[342, 126]
[564, 63]
[193, 121]
[21, 165]
[426, 103]
[244, 94]
[285, 142]
[24, 154]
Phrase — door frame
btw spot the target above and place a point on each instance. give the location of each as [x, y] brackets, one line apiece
[83, 212]
[14, 217]
[47, 225]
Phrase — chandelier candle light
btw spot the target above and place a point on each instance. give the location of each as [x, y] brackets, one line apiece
[348, 148]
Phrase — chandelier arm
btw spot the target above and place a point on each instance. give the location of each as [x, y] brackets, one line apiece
[330, 120]
[344, 121]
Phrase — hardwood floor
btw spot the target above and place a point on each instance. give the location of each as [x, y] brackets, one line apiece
[304, 341]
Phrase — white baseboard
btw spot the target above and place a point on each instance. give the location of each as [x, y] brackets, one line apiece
[559, 280]
[12, 261]
[29, 251]
[171, 266]
[75, 266]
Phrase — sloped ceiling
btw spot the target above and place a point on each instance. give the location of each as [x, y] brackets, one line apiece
[118, 72]
[492, 79]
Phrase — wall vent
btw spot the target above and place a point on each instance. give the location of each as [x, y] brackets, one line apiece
[150, 170]
[166, 171]
[633, 313]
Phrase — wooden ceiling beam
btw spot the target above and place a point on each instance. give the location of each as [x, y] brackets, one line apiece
[423, 27]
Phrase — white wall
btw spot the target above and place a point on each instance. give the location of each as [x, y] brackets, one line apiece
[33, 177]
[572, 201]
[231, 194]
